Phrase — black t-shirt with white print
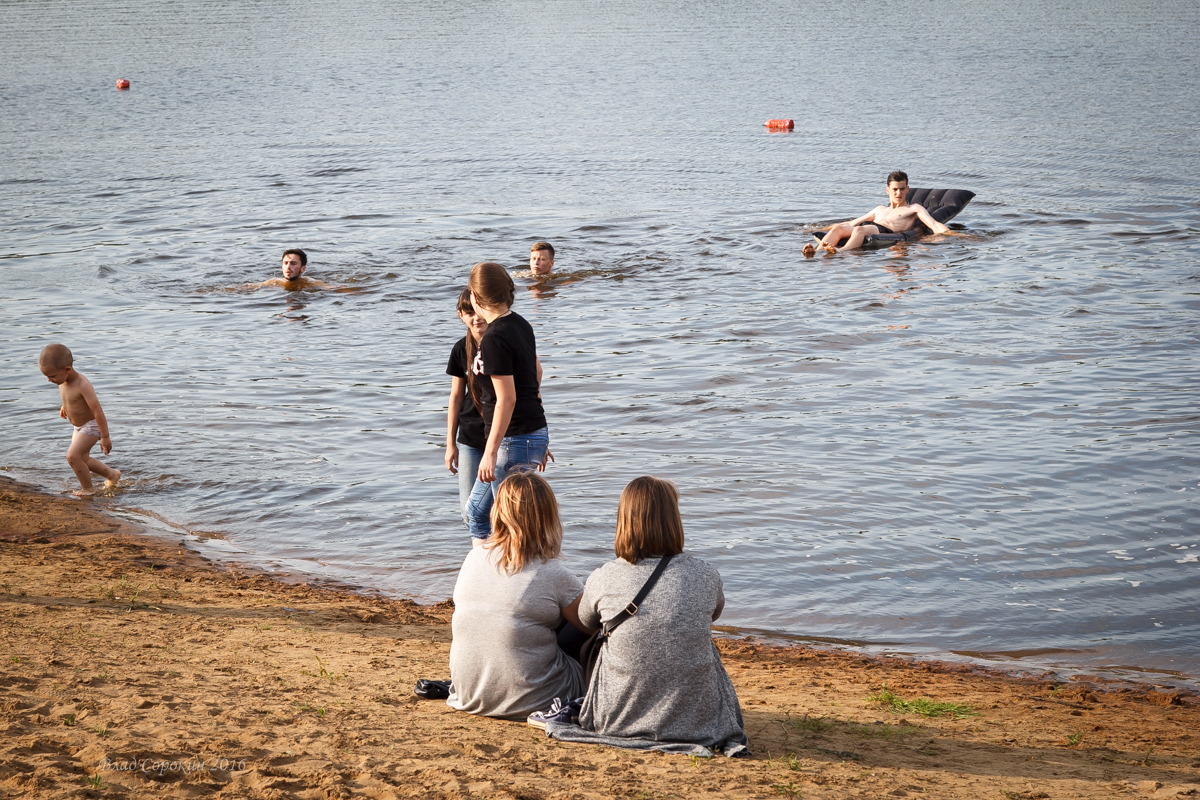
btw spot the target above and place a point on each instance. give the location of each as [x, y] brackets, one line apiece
[470, 423]
[508, 347]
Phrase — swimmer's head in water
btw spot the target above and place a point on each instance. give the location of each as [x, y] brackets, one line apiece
[294, 263]
[541, 258]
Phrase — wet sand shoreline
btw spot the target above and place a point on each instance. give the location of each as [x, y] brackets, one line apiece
[133, 667]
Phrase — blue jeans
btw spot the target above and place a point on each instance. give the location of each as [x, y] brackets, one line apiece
[468, 473]
[517, 453]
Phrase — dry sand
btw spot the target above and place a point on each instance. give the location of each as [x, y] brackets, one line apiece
[132, 667]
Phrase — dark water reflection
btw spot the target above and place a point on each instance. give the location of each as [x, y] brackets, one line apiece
[983, 444]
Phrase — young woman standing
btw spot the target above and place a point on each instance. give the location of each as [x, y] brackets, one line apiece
[507, 376]
[464, 422]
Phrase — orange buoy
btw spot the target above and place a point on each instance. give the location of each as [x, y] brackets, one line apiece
[780, 124]
[122, 84]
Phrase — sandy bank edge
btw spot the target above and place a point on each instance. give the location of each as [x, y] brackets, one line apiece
[123, 648]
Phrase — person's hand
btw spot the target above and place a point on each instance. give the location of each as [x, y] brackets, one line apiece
[487, 467]
[550, 456]
[62, 411]
[105, 445]
[452, 457]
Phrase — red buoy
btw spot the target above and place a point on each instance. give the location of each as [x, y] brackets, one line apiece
[780, 124]
[122, 84]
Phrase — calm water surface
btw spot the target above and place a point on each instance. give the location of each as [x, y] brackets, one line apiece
[983, 445]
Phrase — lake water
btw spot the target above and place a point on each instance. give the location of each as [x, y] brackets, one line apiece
[982, 445]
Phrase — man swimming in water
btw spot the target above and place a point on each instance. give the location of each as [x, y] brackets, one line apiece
[295, 262]
[897, 217]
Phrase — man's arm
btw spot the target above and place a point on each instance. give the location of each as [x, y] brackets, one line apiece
[928, 219]
[867, 217]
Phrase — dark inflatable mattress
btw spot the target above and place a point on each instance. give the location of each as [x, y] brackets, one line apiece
[942, 204]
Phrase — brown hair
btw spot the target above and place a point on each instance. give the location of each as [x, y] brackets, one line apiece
[543, 246]
[464, 305]
[492, 284]
[295, 251]
[525, 522]
[55, 357]
[648, 521]
[897, 176]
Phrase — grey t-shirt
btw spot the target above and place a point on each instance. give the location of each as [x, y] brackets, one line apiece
[504, 659]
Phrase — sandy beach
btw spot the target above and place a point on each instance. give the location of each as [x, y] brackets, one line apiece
[133, 667]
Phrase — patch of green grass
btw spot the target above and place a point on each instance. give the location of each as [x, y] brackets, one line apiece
[324, 673]
[95, 782]
[790, 761]
[815, 725]
[320, 712]
[69, 721]
[102, 730]
[887, 699]
[789, 789]
[1074, 740]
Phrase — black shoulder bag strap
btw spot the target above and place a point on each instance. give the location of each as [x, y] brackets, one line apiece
[591, 648]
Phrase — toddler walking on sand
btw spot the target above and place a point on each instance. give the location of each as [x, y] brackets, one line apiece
[81, 406]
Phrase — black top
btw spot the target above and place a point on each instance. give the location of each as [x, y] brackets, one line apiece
[508, 347]
[470, 423]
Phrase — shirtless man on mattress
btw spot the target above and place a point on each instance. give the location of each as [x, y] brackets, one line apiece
[897, 217]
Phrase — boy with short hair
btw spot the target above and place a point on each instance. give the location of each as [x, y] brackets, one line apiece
[292, 266]
[295, 261]
[541, 259]
[81, 406]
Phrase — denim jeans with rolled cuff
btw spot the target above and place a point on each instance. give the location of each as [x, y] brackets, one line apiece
[468, 473]
[516, 453]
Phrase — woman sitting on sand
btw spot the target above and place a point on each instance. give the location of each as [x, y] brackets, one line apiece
[511, 597]
[659, 676]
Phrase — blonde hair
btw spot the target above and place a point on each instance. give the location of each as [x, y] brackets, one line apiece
[55, 357]
[648, 521]
[525, 523]
[492, 285]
